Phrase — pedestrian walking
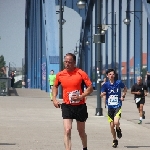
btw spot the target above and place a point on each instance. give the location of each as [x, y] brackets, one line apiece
[51, 79]
[12, 77]
[112, 90]
[140, 91]
[148, 81]
[72, 80]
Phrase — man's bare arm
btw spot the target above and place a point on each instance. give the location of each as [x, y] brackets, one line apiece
[54, 92]
[88, 91]
[124, 91]
[103, 94]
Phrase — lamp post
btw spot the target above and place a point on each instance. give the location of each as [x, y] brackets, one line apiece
[127, 22]
[114, 34]
[61, 22]
[99, 109]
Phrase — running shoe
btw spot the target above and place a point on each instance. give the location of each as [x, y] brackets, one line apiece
[119, 134]
[115, 143]
[140, 122]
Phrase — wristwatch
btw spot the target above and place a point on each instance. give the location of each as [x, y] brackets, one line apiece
[123, 96]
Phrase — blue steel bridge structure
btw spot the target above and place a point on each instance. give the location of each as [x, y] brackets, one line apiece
[42, 38]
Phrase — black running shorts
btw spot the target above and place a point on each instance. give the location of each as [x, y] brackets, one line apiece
[142, 101]
[113, 112]
[78, 112]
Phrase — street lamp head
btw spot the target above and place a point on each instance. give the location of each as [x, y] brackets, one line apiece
[87, 43]
[81, 4]
[102, 32]
[75, 52]
[126, 21]
[63, 21]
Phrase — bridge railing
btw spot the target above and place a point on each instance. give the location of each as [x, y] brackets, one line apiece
[4, 86]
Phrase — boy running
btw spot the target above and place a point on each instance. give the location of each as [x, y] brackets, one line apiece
[112, 90]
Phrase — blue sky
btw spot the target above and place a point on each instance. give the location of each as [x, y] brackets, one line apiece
[12, 19]
[12, 30]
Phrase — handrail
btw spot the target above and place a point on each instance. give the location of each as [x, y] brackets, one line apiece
[4, 86]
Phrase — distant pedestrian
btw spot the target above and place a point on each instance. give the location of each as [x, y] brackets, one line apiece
[148, 81]
[23, 84]
[12, 77]
[140, 91]
[112, 90]
[51, 80]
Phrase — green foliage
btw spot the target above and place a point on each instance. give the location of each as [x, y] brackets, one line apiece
[144, 71]
[2, 61]
[93, 76]
[18, 84]
[2, 64]
[2, 85]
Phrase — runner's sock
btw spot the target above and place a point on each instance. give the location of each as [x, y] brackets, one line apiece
[140, 118]
[51, 95]
[85, 148]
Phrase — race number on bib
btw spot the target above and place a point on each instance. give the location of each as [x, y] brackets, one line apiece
[76, 92]
[113, 100]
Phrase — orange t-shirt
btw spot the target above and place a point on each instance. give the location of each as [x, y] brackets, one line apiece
[71, 83]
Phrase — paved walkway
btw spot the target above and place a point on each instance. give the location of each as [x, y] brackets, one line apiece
[31, 122]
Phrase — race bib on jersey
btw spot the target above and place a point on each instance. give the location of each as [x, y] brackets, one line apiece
[76, 92]
[137, 100]
[113, 100]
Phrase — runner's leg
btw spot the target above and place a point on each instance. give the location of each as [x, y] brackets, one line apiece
[82, 134]
[113, 130]
[117, 123]
[67, 133]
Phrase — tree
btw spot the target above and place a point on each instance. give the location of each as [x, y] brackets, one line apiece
[2, 65]
[144, 72]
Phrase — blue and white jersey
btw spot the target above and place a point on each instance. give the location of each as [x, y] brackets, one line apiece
[113, 93]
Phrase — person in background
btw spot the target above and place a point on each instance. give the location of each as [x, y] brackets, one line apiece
[140, 91]
[23, 84]
[148, 81]
[12, 77]
[51, 79]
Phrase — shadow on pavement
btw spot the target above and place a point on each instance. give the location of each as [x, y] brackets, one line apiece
[131, 119]
[13, 92]
[7, 143]
[135, 146]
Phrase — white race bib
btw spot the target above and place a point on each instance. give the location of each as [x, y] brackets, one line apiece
[137, 100]
[113, 100]
[76, 92]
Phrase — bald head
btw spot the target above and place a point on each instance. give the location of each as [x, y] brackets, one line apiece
[139, 80]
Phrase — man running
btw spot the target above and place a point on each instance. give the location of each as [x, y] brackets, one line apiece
[51, 80]
[73, 106]
[112, 90]
[140, 91]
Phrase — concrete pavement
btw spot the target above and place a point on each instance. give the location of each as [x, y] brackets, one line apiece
[31, 122]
